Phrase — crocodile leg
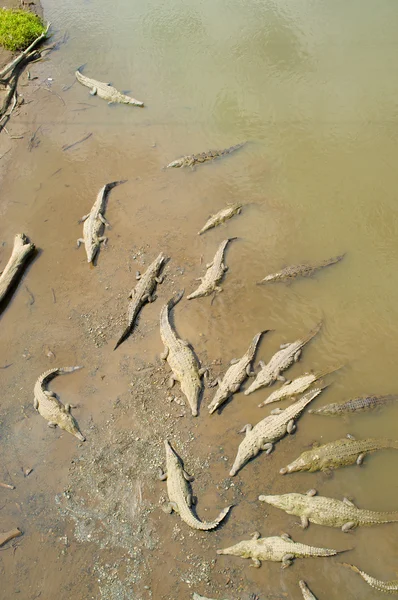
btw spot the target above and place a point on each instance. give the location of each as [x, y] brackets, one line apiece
[209, 265]
[189, 500]
[287, 560]
[235, 388]
[246, 428]
[267, 448]
[36, 403]
[93, 91]
[49, 394]
[297, 356]
[291, 426]
[304, 522]
[348, 526]
[348, 502]
[80, 241]
[84, 217]
[103, 220]
[187, 476]
[281, 378]
[151, 298]
[145, 298]
[255, 535]
[167, 508]
[159, 279]
[202, 371]
[217, 289]
[172, 380]
[215, 382]
[256, 563]
[283, 346]
[276, 411]
[360, 458]
[234, 361]
[249, 371]
[165, 353]
[67, 408]
[103, 239]
[286, 537]
[224, 268]
[51, 424]
[162, 475]
[261, 364]
[311, 492]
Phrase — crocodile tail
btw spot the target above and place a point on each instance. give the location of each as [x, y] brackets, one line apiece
[334, 259]
[312, 333]
[175, 299]
[352, 567]
[123, 337]
[233, 148]
[327, 371]
[207, 525]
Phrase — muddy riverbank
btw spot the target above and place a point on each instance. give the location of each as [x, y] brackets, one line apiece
[316, 179]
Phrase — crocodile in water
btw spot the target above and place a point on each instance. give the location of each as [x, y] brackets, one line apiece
[327, 511]
[181, 358]
[193, 159]
[297, 386]
[340, 453]
[142, 293]
[305, 270]
[106, 91]
[388, 587]
[282, 360]
[223, 215]
[277, 549]
[305, 590]
[355, 405]
[52, 409]
[179, 492]
[271, 429]
[235, 376]
[94, 223]
[214, 274]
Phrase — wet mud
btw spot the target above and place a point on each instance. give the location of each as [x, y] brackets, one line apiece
[91, 513]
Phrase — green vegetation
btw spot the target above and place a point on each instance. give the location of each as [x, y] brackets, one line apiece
[18, 29]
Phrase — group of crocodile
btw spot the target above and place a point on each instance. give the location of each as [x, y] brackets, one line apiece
[262, 437]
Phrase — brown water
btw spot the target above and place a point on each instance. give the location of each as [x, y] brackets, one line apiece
[312, 87]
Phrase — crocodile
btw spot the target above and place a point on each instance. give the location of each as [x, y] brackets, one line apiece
[179, 492]
[238, 371]
[214, 274]
[51, 408]
[327, 511]
[388, 587]
[305, 270]
[142, 293]
[340, 453]
[305, 590]
[181, 358]
[223, 215]
[193, 159]
[282, 360]
[271, 429]
[197, 597]
[94, 223]
[355, 405]
[297, 386]
[277, 549]
[106, 91]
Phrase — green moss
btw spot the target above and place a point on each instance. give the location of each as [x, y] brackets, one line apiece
[18, 29]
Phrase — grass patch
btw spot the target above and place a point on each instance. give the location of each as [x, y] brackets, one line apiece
[18, 29]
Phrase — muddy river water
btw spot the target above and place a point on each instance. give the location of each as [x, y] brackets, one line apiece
[313, 89]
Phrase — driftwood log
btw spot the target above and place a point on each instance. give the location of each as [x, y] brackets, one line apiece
[20, 253]
[9, 535]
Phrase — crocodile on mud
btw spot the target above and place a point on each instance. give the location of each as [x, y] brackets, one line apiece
[327, 511]
[195, 159]
[179, 492]
[51, 408]
[305, 270]
[282, 360]
[181, 358]
[142, 293]
[235, 376]
[340, 453]
[305, 590]
[106, 91]
[223, 215]
[271, 429]
[295, 387]
[355, 405]
[94, 223]
[388, 587]
[277, 549]
[214, 274]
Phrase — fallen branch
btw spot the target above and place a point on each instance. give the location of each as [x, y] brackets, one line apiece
[64, 148]
[9, 535]
[7, 485]
[21, 251]
[23, 54]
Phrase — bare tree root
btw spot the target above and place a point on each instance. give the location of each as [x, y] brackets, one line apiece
[21, 251]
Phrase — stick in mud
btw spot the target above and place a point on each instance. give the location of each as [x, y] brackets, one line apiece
[65, 148]
[7, 486]
[9, 535]
[21, 251]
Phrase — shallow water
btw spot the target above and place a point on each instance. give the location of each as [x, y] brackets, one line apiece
[310, 86]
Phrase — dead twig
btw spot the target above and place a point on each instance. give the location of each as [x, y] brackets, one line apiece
[7, 485]
[21, 251]
[54, 298]
[65, 148]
